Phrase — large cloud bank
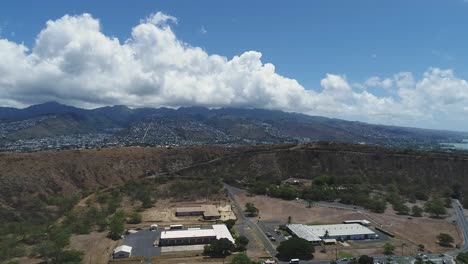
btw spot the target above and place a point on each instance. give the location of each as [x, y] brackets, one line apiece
[73, 62]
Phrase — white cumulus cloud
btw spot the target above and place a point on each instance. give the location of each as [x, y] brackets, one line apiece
[72, 61]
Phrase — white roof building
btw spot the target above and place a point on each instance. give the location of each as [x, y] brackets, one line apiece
[122, 252]
[340, 230]
[303, 232]
[216, 232]
[222, 231]
[188, 233]
[316, 233]
[123, 248]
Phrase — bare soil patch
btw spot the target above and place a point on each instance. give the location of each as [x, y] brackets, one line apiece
[97, 248]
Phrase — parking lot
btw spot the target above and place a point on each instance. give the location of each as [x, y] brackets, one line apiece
[142, 243]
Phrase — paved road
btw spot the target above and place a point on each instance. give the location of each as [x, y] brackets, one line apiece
[250, 223]
[463, 224]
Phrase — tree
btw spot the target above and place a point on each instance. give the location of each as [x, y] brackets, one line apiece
[445, 240]
[435, 207]
[116, 225]
[416, 211]
[295, 248]
[251, 210]
[241, 243]
[463, 257]
[364, 259]
[401, 208]
[230, 223]
[388, 248]
[219, 248]
[241, 258]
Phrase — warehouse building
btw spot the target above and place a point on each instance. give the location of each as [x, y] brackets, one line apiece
[194, 236]
[209, 212]
[327, 233]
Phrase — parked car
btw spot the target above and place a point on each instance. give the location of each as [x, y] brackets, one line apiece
[273, 239]
[294, 261]
[268, 234]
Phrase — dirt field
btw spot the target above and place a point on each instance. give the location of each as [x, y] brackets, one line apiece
[97, 246]
[411, 232]
[163, 213]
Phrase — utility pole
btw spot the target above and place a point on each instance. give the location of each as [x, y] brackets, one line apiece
[402, 246]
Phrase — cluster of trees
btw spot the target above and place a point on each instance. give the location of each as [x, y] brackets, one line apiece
[224, 247]
[445, 240]
[219, 248]
[251, 210]
[355, 190]
[435, 207]
[295, 248]
[52, 249]
[463, 257]
[31, 230]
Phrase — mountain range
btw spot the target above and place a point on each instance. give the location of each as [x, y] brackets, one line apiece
[55, 126]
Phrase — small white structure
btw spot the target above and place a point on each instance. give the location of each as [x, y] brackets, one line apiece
[122, 252]
[361, 222]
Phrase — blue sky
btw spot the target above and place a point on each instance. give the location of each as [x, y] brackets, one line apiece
[305, 40]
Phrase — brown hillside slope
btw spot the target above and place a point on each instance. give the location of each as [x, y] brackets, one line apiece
[67, 172]
[413, 170]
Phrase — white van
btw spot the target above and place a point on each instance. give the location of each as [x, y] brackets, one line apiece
[294, 261]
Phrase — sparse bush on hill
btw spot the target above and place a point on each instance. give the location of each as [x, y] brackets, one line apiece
[134, 218]
[416, 211]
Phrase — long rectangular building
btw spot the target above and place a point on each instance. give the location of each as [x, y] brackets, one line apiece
[194, 236]
[209, 212]
[317, 233]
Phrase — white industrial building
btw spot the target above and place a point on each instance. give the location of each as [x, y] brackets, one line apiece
[122, 252]
[327, 233]
[194, 236]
